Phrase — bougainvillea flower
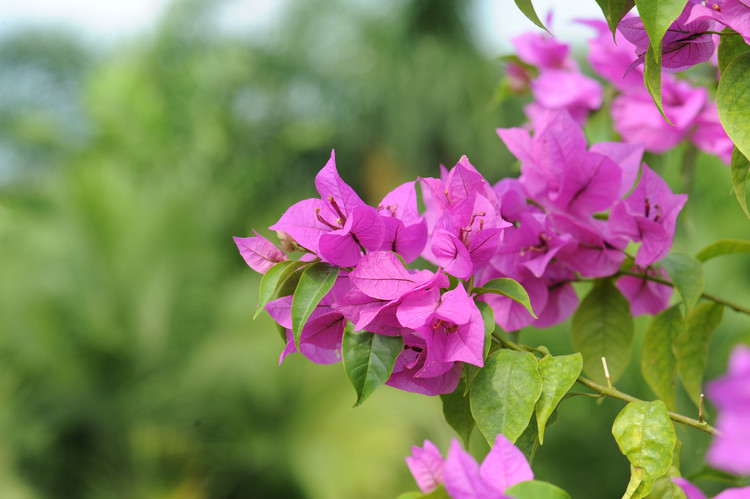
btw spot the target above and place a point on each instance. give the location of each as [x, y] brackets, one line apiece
[542, 51]
[405, 230]
[411, 362]
[685, 43]
[693, 492]
[645, 296]
[638, 121]
[570, 90]
[628, 158]
[730, 450]
[611, 59]
[556, 165]
[734, 14]
[339, 227]
[648, 215]
[504, 466]
[594, 254]
[259, 253]
[710, 136]
[562, 298]
[451, 326]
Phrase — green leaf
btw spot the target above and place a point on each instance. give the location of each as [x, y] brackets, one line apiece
[558, 375]
[658, 361]
[504, 394]
[536, 489]
[686, 273]
[646, 437]
[723, 247]
[731, 45]
[509, 288]
[657, 16]
[739, 168]
[457, 412]
[316, 281]
[733, 101]
[614, 11]
[271, 281]
[691, 346]
[368, 360]
[528, 442]
[603, 327]
[665, 488]
[438, 493]
[527, 8]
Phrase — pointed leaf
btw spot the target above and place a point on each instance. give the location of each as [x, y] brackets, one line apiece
[691, 346]
[657, 16]
[724, 247]
[509, 288]
[528, 442]
[658, 362]
[504, 394]
[527, 8]
[368, 360]
[652, 78]
[686, 274]
[731, 45]
[316, 281]
[457, 412]
[614, 11]
[645, 435]
[536, 489]
[733, 101]
[558, 375]
[271, 281]
[740, 167]
[665, 488]
[603, 327]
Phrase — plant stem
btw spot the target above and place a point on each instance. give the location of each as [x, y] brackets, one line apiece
[615, 393]
[716, 299]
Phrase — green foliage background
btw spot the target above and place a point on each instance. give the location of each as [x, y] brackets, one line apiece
[129, 363]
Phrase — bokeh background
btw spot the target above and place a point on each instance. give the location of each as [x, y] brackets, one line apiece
[130, 366]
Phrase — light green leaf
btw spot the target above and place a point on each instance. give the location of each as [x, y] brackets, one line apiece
[504, 394]
[271, 281]
[614, 11]
[724, 247]
[739, 168]
[536, 489]
[652, 78]
[316, 281]
[731, 45]
[733, 101]
[603, 327]
[686, 273]
[665, 488]
[658, 361]
[691, 346]
[558, 375]
[645, 435]
[368, 360]
[527, 8]
[438, 493]
[509, 288]
[457, 412]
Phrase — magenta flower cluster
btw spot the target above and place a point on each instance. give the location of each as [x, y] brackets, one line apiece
[571, 213]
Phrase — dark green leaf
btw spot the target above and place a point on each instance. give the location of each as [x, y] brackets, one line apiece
[645, 435]
[529, 439]
[733, 101]
[740, 167]
[686, 273]
[652, 78]
[725, 247]
[658, 361]
[368, 360]
[731, 45]
[504, 394]
[509, 288]
[316, 281]
[527, 8]
[558, 375]
[614, 11]
[691, 346]
[457, 412]
[603, 327]
[271, 281]
[536, 489]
